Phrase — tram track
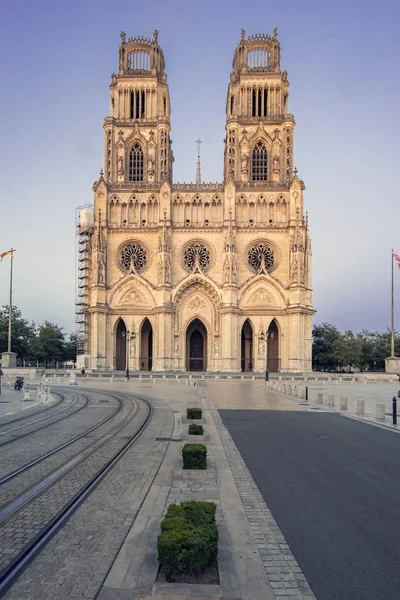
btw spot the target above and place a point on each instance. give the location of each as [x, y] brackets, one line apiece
[68, 487]
[40, 459]
[46, 425]
[7, 422]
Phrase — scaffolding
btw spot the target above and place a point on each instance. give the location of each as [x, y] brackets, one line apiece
[84, 230]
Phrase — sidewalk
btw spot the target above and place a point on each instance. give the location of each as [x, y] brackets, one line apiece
[254, 562]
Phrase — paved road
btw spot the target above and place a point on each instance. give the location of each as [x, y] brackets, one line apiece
[333, 486]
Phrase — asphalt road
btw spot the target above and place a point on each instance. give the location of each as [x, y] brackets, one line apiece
[333, 486]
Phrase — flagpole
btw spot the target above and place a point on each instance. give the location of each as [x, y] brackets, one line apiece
[392, 337]
[10, 304]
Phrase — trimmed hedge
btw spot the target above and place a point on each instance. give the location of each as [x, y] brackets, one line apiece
[194, 456]
[194, 413]
[189, 538]
[195, 429]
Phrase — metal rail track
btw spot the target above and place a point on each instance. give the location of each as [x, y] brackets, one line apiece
[40, 459]
[29, 416]
[20, 437]
[8, 575]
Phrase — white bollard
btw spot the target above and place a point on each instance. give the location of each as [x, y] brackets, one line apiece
[360, 407]
[331, 400]
[380, 411]
[343, 403]
[319, 398]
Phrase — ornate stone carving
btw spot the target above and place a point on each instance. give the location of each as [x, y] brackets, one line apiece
[132, 258]
[131, 297]
[260, 297]
[261, 256]
[196, 255]
[216, 348]
[196, 304]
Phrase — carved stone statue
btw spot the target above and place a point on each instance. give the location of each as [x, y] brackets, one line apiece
[275, 33]
[133, 347]
[120, 165]
[150, 166]
[155, 35]
[176, 346]
[261, 347]
[276, 164]
[123, 37]
[242, 34]
[216, 348]
[226, 269]
[245, 161]
[295, 270]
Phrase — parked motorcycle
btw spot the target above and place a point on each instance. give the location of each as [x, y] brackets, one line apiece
[19, 383]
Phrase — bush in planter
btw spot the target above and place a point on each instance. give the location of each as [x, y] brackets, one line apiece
[189, 538]
[194, 413]
[194, 456]
[195, 429]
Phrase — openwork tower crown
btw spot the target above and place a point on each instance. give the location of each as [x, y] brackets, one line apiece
[140, 56]
[257, 53]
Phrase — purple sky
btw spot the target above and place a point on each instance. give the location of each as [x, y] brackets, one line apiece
[342, 58]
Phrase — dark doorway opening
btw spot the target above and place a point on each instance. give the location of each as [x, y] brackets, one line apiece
[120, 350]
[247, 346]
[273, 360]
[196, 346]
[146, 347]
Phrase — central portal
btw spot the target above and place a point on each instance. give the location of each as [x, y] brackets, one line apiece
[196, 346]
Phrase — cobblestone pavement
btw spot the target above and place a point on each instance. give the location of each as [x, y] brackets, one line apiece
[77, 559]
[283, 572]
[21, 527]
[69, 406]
[16, 457]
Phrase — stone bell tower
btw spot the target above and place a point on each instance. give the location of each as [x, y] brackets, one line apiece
[137, 134]
[257, 107]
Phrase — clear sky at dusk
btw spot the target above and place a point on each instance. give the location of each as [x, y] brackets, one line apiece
[343, 62]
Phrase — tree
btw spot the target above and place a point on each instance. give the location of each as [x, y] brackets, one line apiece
[49, 344]
[71, 348]
[22, 333]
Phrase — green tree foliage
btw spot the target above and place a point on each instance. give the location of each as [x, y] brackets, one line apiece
[22, 332]
[45, 343]
[345, 350]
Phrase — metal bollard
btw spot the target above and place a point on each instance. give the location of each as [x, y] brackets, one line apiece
[319, 398]
[394, 410]
[360, 407]
[343, 403]
[380, 411]
[306, 393]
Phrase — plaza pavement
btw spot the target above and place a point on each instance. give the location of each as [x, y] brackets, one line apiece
[255, 559]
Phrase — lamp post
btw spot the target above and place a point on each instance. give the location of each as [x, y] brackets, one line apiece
[127, 334]
[264, 336]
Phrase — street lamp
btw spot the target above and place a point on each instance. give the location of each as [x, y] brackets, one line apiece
[265, 336]
[127, 334]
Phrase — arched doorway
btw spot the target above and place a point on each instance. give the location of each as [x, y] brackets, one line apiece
[273, 360]
[120, 350]
[196, 346]
[146, 347]
[247, 346]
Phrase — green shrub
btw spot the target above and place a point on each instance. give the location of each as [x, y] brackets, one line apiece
[194, 456]
[189, 539]
[194, 413]
[195, 429]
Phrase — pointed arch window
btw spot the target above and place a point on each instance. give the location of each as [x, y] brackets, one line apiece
[136, 163]
[259, 163]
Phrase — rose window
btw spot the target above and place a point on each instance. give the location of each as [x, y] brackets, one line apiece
[196, 254]
[133, 255]
[260, 253]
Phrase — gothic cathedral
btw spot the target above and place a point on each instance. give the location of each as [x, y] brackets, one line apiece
[197, 276]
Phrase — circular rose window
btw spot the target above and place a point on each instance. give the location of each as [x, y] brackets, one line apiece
[196, 254]
[132, 255]
[259, 253]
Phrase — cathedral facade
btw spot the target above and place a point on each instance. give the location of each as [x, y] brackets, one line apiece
[197, 276]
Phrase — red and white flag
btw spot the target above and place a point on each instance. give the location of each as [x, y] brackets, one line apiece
[397, 258]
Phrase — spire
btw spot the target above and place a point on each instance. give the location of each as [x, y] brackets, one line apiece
[198, 171]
